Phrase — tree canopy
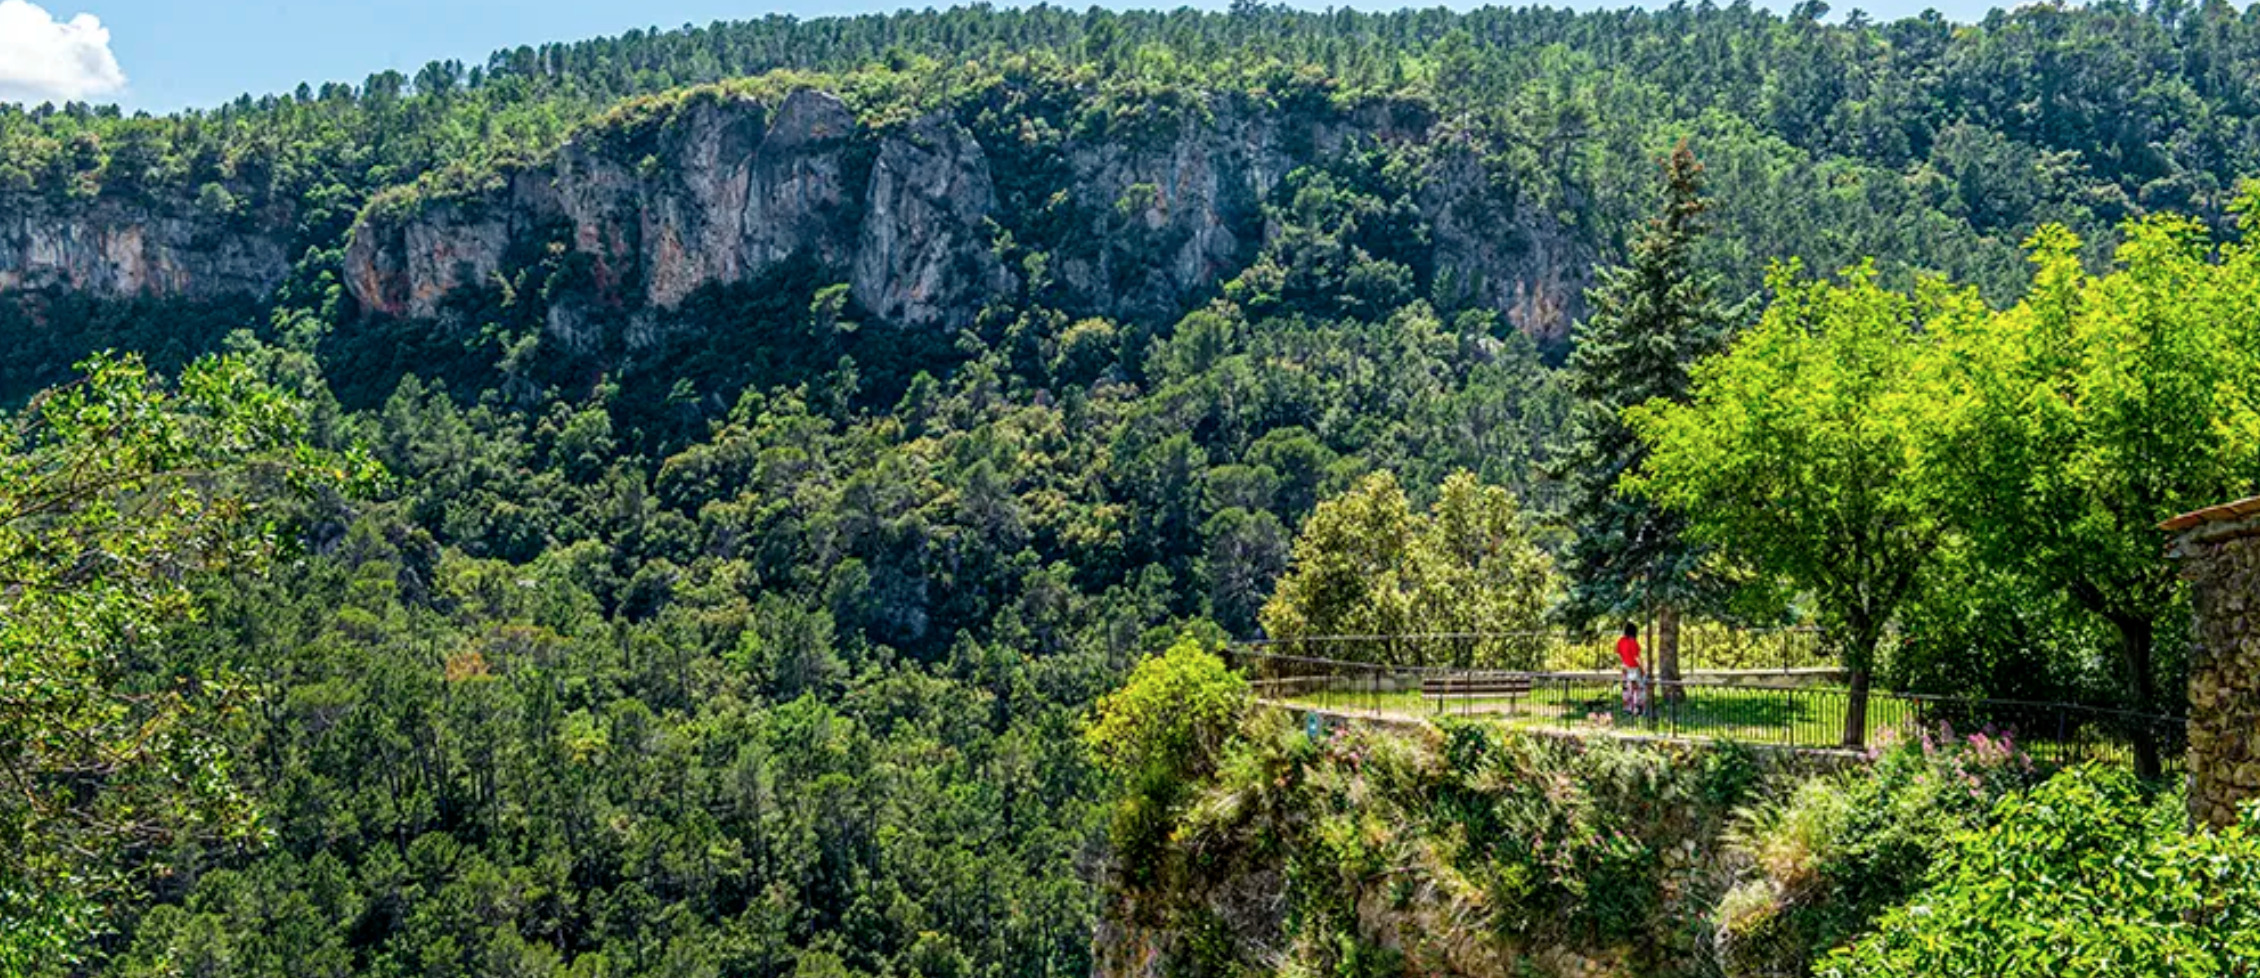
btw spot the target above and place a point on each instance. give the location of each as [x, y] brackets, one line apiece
[2099, 407]
[1652, 320]
[765, 637]
[119, 494]
[1803, 451]
[1367, 565]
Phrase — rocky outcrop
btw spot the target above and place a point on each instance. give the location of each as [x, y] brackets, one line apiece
[117, 249]
[727, 191]
[798, 191]
[1143, 222]
[731, 190]
[1143, 218]
[923, 256]
[1195, 199]
[1494, 249]
[406, 267]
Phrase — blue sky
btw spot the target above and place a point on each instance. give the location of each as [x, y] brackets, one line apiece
[162, 55]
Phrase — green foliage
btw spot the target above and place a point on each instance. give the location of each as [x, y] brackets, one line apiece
[118, 493]
[47, 341]
[1366, 564]
[1170, 719]
[1650, 321]
[2098, 407]
[1155, 737]
[2083, 875]
[1980, 629]
[1982, 471]
[802, 695]
[1464, 849]
[1819, 863]
[1802, 451]
[1473, 848]
[752, 636]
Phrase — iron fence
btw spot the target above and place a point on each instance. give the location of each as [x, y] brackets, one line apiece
[1703, 645]
[1785, 708]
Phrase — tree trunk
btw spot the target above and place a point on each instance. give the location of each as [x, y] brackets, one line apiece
[2135, 636]
[1667, 651]
[1856, 710]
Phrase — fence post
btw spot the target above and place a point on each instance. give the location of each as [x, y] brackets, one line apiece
[2060, 732]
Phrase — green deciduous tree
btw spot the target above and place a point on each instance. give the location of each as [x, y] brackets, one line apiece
[1651, 320]
[1802, 452]
[117, 493]
[2099, 406]
[1156, 737]
[1366, 564]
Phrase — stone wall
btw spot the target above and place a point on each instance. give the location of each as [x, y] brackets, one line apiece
[2221, 557]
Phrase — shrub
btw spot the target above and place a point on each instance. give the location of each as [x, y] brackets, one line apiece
[1823, 861]
[1156, 738]
[1171, 718]
[2081, 876]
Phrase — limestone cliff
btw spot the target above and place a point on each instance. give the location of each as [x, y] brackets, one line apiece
[121, 249]
[1194, 198]
[1503, 254]
[727, 190]
[1142, 218]
[404, 268]
[908, 213]
[924, 256]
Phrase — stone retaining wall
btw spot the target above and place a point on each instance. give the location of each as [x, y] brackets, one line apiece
[2221, 557]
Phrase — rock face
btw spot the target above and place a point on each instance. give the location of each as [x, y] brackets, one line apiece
[907, 214]
[729, 190]
[734, 190]
[924, 257]
[798, 192]
[405, 268]
[1195, 199]
[1142, 218]
[1500, 253]
[2220, 550]
[114, 249]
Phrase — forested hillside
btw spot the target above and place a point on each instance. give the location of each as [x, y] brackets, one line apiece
[778, 435]
[1478, 161]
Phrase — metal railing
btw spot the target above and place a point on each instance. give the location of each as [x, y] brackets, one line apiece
[1703, 645]
[1782, 710]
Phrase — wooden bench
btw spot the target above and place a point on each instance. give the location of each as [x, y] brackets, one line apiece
[1471, 685]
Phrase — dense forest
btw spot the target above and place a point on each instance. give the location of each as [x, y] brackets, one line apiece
[1923, 143]
[533, 625]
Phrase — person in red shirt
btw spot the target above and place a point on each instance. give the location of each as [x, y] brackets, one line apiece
[1628, 649]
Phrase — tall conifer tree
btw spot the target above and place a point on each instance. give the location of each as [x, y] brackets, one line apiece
[1650, 320]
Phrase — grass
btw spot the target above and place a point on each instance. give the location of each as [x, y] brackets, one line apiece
[1812, 717]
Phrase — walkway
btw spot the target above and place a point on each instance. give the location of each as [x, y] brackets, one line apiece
[1797, 710]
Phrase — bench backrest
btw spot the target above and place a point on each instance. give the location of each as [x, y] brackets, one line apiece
[1511, 683]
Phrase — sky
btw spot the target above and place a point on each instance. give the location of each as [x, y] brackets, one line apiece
[164, 55]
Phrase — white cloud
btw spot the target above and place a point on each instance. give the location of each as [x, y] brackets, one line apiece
[47, 60]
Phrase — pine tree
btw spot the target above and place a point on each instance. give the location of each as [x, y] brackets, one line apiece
[1649, 321]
